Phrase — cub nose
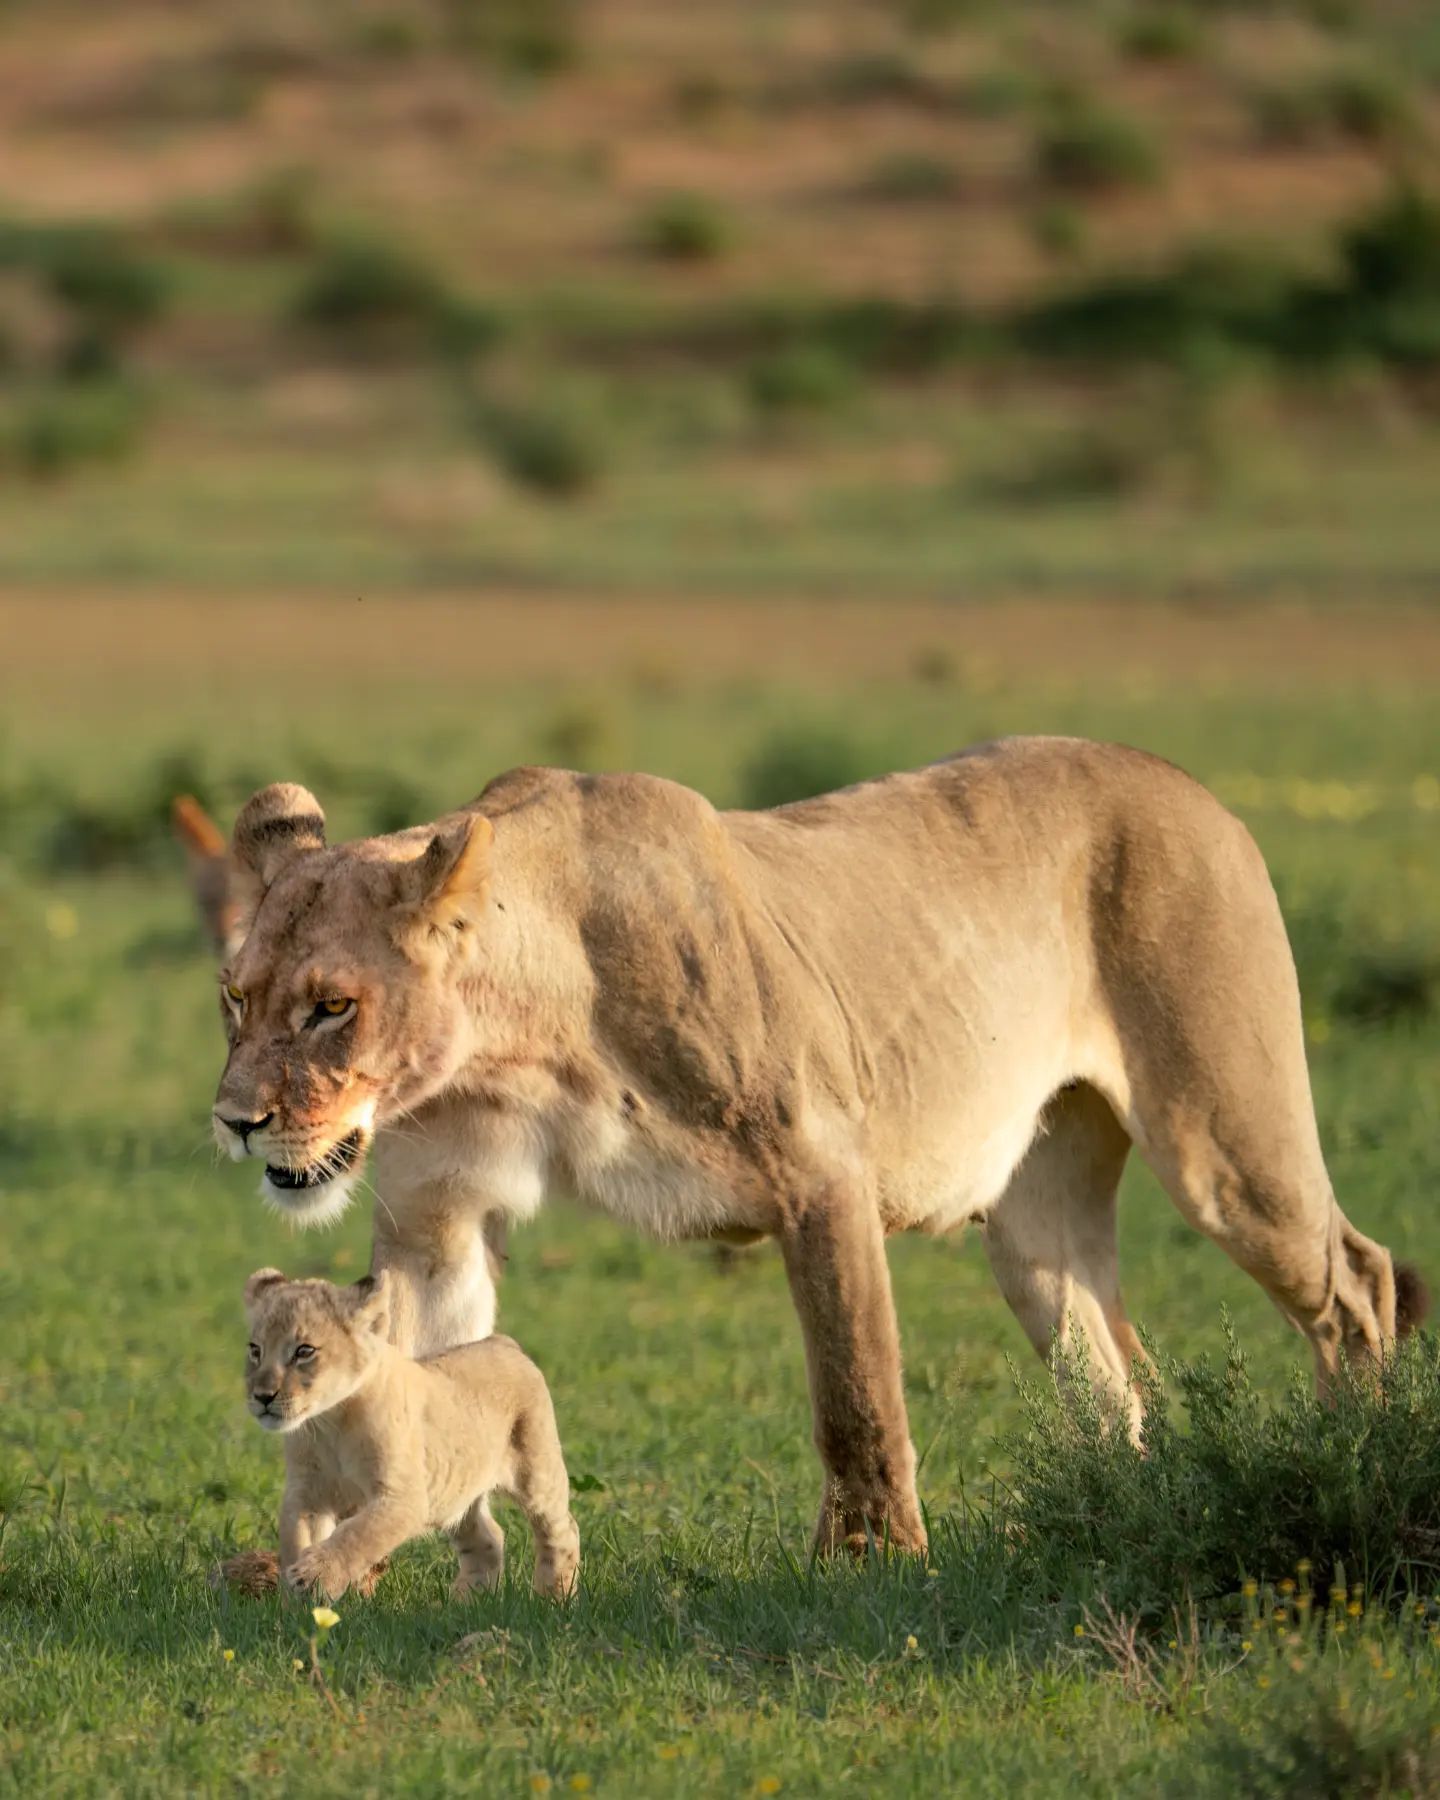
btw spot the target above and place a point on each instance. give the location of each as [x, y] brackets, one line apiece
[243, 1127]
[265, 1399]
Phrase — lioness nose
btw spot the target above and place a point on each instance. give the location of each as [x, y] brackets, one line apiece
[243, 1127]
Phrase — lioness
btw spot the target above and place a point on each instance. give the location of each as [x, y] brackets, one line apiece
[397, 1447]
[959, 993]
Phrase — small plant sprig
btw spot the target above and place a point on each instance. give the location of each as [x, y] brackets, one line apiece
[326, 1619]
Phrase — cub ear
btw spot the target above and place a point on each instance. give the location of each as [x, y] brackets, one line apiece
[259, 1281]
[372, 1303]
[276, 825]
[449, 876]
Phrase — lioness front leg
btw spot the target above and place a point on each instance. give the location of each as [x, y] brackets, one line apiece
[834, 1253]
[345, 1559]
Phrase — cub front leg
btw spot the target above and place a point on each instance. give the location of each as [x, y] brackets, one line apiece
[346, 1558]
[834, 1251]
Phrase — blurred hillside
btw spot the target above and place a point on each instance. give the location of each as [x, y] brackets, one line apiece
[934, 298]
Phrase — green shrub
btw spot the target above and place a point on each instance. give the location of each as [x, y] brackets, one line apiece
[802, 378]
[1089, 148]
[550, 448]
[1106, 461]
[1059, 229]
[274, 215]
[684, 227]
[91, 269]
[1318, 1736]
[1159, 34]
[796, 763]
[911, 175]
[1352, 1489]
[60, 427]
[362, 288]
[875, 76]
[363, 284]
[532, 38]
[1366, 104]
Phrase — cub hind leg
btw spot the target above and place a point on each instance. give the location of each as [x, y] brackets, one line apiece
[540, 1484]
[481, 1546]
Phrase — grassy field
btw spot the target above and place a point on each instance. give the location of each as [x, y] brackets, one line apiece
[703, 1656]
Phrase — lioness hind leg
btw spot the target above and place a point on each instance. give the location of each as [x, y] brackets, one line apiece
[1216, 1094]
[1051, 1243]
[481, 1546]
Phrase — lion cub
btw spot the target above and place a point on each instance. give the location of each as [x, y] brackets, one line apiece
[393, 1447]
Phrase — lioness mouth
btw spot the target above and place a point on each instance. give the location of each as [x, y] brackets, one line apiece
[315, 1175]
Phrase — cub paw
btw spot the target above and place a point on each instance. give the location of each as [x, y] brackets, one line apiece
[317, 1571]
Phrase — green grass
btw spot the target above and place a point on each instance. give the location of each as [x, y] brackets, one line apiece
[703, 1655]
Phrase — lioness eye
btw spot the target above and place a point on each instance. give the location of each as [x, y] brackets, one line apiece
[303, 1352]
[333, 1007]
[254, 1353]
[233, 993]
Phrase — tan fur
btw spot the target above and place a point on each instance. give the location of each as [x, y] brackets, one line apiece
[956, 994]
[380, 1448]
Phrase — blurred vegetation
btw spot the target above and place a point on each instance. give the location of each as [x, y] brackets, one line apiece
[771, 261]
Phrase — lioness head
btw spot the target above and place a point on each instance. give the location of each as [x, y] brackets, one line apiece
[338, 1004]
[311, 1344]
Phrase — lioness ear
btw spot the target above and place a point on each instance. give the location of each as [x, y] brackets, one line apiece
[276, 825]
[372, 1303]
[449, 876]
[259, 1281]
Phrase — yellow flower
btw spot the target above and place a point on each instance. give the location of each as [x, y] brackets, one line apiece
[1338, 1627]
[1263, 1681]
[912, 1644]
[540, 1783]
[229, 1655]
[324, 1616]
[296, 1664]
[768, 1784]
[1172, 1643]
[1287, 1586]
[931, 1573]
[61, 920]
[579, 1784]
[1245, 1644]
[1250, 1590]
[1279, 1615]
[668, 1752]
[1079, 1631]
[1304, 1566]
[1354, 1609]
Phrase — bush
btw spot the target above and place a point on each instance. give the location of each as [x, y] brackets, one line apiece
[912, 176]
[1088, 148]
[1096, 462]
[1159, 34]
[803, 377]
[361, 284]
[684, 228]
[552, 449]
[1351, 1489]
[532, 38]
[1368, 105]
[363, 289]
[798, 763]
[61, 427]
[105, 282]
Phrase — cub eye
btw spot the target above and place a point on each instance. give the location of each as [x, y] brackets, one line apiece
[303, 1353]
[334, 1007]
[254, 1353]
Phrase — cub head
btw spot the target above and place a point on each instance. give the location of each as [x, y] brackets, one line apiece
[311, 1344]
[341, 1003]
